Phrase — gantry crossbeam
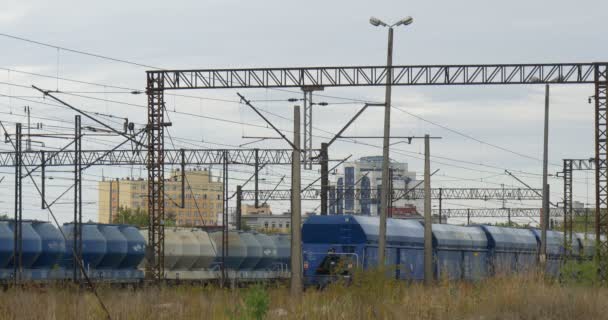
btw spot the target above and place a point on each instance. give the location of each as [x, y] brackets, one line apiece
[409, 194]
[171, 157]
[376, 76]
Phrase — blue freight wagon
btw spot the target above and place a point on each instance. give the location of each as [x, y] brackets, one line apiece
[333, 245]
[510, 250]
[460, 252]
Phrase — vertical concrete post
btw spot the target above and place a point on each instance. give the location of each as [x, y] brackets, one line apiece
[428, 222]
[296, 208]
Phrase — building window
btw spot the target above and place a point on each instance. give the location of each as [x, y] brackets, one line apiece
[218, 197]
[287, 225]
[266, 224]
[205, 196]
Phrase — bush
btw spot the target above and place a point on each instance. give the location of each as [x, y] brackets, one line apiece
[579, 273]
[257, 301]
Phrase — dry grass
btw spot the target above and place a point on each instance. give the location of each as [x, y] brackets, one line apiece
[370, 297]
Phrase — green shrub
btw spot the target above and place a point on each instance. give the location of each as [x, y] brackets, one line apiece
[581, 273]
[257, 302]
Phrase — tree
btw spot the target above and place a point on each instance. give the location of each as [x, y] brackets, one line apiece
[139, 217]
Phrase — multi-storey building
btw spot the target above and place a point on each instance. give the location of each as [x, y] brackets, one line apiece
[202, 198]
[365, 175]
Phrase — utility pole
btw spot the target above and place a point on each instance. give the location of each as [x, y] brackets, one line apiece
[256, 175]
[28, 142]
[586, 221]
[324, 178]
[428, 222]
[110, 220]
[118, 199]
[239, 196]
[440, 204]
[18, 226]
[225, 228]
[296, 207]
[385, 152]
[43, 179]
[77, 196]
[545, 215]
[390, 192]
[307, 149]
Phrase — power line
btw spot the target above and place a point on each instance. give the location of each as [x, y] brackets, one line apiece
[358, 100]
[95, 55]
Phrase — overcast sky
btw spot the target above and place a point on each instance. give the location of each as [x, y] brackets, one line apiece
[227, 34]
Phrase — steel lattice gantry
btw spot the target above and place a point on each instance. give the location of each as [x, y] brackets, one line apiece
[569, 166]
[171, 157]
[601, 170]
[504, 212]
[491, 74]
[408, 194]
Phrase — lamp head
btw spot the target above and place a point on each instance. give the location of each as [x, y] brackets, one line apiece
[405, 21]
[376, 22]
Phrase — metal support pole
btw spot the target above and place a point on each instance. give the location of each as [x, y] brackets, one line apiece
[428, 220]
[28, 145]
[225, 222]
[440, 203]
[309, 146]
[18, 221]
[239, 197]
[118, 199]
[296, 208]
[545, 216]
[43, 180]
[77, 243]
[257, 173]
[183, 177]
[79, 172]
[155, 129]
[509, 216]
[305, 125]
[586, 221]
[110, 203]
[601, 168]
[392, 188]
[468, 216]
[324, 178]
[567, 171]
[385, 151]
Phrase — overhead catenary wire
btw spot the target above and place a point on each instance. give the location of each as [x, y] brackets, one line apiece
[100, 56]
[117, 60]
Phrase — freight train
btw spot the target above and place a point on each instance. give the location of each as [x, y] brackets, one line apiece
[333, 245]
[115, 253]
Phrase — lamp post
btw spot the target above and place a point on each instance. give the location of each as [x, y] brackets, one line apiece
[384, 201]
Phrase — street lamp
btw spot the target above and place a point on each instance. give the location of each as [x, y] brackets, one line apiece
[384, 202]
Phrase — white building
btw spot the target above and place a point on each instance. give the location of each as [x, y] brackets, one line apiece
[365, 174]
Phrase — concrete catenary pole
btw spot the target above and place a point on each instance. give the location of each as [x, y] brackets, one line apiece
[545, 214]
[385, 154]
[296, 209]
[428, 222]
